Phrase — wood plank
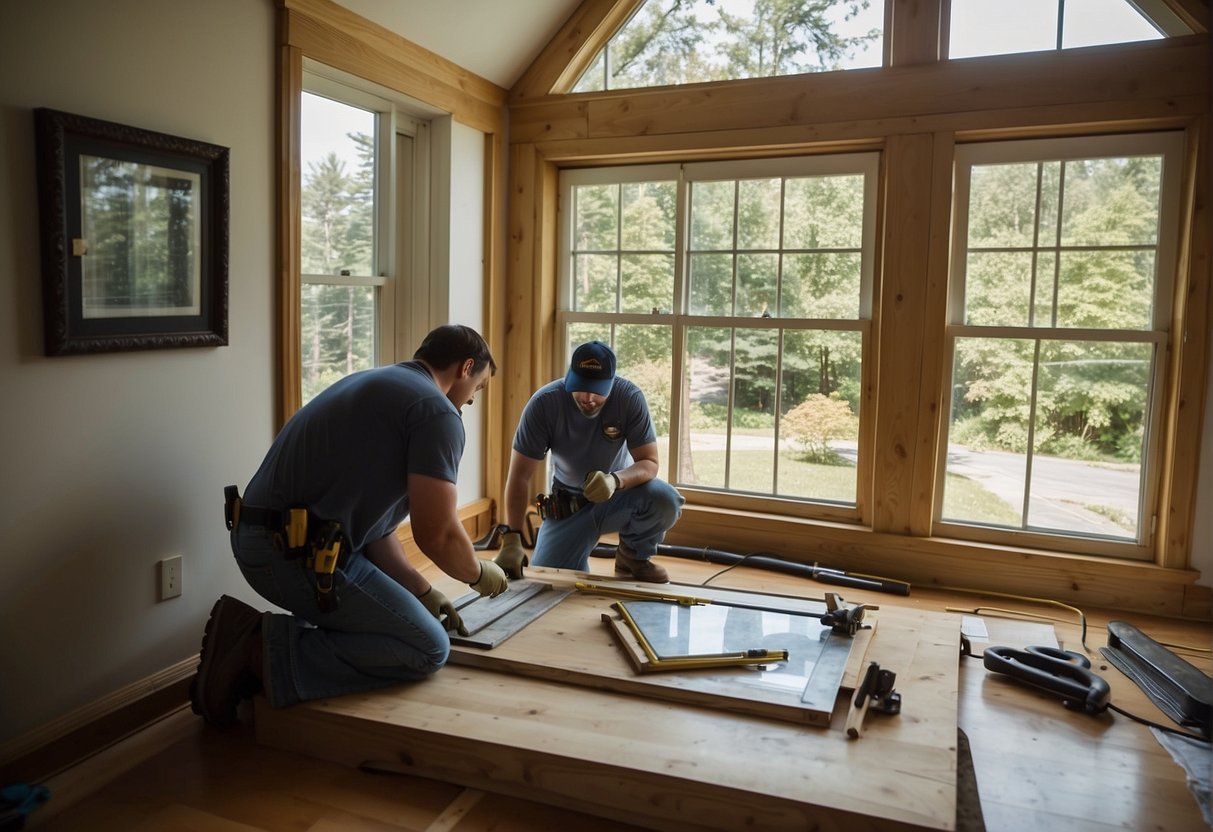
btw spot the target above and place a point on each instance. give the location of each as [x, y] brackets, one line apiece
[341, 39]
[562, 61]
[659, 764]
[925, 562]
[1151, 70]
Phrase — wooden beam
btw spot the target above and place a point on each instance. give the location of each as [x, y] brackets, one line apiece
[560, 63]
[289, 228]
[938, 562]
[1132, 76]
[1190, 356]
[341, 39]
[913, 31]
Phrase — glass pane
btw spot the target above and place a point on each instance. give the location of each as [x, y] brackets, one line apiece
[988, 431]
[338, 333]
[712, 216]
[996, 27]
[823, 212]
[1002, 205]
[1111, 202]
[708, 370]
[596, 218]
[821, 286]
[820, 389]
[757, 282]
[711, 284]
[1089, 430]
[752, 446]
[1092, 22]
[998, 289]
[595, 282]
[648, 283]
[1106, 289]
[758, 213]
[338, 199]
[644, 356]
[648, 216]
[580, 333]
[692, 41]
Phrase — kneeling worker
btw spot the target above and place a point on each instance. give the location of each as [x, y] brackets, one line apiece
[600, 433]
[315, 534]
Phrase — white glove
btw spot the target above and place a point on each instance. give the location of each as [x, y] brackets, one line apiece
[599, 486]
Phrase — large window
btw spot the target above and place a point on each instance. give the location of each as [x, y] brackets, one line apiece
[737, 295]
[359, 154]
[1059, 317]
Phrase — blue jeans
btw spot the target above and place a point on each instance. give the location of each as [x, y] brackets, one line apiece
[641, 515]
[379, 635]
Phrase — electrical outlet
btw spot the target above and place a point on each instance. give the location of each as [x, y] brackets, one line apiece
[170, 577]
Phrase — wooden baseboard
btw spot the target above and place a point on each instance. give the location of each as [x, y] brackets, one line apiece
[76, 736]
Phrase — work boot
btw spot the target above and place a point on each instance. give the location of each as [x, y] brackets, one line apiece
[626, 563]
[228, 670]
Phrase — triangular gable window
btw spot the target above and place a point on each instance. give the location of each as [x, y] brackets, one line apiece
[997, 27]
[669, 42]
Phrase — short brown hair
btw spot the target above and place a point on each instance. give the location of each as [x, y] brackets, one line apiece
[454, 343]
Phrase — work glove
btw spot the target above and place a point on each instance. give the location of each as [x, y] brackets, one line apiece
[439, 605]
[599, 486]
[512, 557]
[492, 580]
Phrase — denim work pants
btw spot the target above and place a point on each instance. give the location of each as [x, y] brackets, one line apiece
[641, 515]
[379, 635]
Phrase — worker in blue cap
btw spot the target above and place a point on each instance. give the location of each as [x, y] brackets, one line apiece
[598, 429]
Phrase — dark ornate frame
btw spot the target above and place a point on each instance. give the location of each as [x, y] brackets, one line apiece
[61, 139]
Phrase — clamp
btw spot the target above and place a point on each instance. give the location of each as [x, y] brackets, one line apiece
[845, 621]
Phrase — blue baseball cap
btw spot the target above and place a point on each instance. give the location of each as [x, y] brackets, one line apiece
[592, 370]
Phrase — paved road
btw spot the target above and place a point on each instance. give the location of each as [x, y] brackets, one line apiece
[1062, 489]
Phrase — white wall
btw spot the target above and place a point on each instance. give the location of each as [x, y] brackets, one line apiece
[114, 461]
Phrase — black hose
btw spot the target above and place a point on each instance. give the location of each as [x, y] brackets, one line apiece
[774, 564]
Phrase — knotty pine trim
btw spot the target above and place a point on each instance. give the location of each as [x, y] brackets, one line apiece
[572, 50]
[1078, 580]
[339, 38]
[1112, 83]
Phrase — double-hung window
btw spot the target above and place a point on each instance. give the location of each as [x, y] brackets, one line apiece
[738, 296]
[1059, 324]
[361, 238]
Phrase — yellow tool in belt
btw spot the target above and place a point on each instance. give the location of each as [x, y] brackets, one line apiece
[325, 552]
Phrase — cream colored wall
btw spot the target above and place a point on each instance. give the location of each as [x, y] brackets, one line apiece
[114, 461]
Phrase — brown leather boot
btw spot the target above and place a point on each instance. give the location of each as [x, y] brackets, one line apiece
[228, 670]
[626, 563]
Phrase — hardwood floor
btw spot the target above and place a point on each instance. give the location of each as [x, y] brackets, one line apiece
[1037, 764]
[209, 779]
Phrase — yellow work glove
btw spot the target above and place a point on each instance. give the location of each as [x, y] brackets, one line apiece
[512, 556]
[599, 486]
[439, 605]
[492, 580]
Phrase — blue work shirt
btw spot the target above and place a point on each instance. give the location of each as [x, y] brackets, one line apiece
[347, 454]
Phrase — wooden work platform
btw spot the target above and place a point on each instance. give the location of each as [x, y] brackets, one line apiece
[671, 765]
[647, 760]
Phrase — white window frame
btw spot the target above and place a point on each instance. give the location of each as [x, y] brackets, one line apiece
[866, 163]
[1170, 146]
[401, 261]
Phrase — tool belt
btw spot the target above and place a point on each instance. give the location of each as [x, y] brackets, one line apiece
[560, 504]
[299, 534]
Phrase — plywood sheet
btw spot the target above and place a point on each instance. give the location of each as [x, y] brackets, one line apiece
[570, 643]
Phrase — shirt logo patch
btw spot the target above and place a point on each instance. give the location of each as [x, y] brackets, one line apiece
[612, 432]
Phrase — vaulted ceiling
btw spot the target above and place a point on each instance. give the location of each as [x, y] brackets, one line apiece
[496, 39]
